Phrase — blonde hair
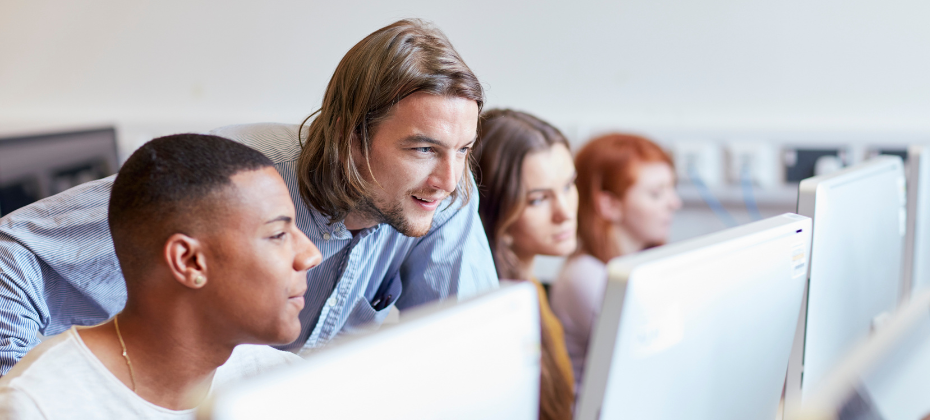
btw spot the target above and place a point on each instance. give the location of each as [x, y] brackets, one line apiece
[387, 66]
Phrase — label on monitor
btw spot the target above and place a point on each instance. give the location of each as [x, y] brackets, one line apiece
[798, 261]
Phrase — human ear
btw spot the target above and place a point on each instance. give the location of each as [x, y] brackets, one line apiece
[186, 260]
[608, 206]
[507, 240]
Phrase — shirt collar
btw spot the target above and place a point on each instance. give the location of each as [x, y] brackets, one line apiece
[336, 230]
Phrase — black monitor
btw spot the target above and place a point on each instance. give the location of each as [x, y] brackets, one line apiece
[37, 166]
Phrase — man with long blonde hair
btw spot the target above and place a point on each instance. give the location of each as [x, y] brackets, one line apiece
[379, 178]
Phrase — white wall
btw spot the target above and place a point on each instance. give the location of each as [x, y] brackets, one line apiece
[791, 71]
[640, 64]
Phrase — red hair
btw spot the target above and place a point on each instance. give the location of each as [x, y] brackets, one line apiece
[609, 163]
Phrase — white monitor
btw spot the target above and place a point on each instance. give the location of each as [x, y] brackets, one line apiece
[855, 271]
[917, 241]
[700, 329]
[478, 359]
[886, 377]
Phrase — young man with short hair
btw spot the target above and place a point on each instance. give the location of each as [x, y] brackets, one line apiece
[381, 183]
[204, 232]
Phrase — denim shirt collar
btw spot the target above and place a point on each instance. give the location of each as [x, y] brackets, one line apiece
[337, 230]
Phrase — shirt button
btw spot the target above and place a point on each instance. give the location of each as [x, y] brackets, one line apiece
[331, 301]
[326, 236]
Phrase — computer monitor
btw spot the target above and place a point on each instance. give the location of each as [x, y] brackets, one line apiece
[885, 377]
[917, 240]
[37, 166]
[855, 272]
[700, 329]
[478, 359]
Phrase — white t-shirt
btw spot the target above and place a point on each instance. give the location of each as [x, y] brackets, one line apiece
[62, 379]
[576, 299]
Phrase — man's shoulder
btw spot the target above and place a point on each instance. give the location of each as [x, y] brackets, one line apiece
[278, 141]
[42, 363]
[51, 373]
[61, 378]
[33, 379]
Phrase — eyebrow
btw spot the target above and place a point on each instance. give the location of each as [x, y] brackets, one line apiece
[419, 138]
[282, 218]
[572, 179]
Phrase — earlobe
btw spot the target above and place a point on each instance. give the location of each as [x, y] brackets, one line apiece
[186, 260]
[608, 206]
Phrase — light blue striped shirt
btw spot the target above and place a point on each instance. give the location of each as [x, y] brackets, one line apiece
[58, 267]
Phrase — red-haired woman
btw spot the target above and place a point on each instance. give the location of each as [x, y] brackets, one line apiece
[626, 193]
[528, 205]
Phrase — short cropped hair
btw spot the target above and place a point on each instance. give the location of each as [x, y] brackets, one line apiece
[390, 64]
[165, 187]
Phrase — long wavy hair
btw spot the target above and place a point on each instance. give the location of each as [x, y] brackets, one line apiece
[393, 62]
[505, 138]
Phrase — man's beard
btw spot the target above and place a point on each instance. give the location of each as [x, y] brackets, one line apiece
[393, 215]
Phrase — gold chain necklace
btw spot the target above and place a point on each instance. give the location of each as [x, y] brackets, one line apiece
[132, 375]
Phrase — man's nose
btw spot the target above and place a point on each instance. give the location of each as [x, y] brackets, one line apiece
[308, 255]
[445, 175]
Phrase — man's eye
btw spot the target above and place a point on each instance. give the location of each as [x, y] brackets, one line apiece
[279, 236]
[464, 149]
[424, 149]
